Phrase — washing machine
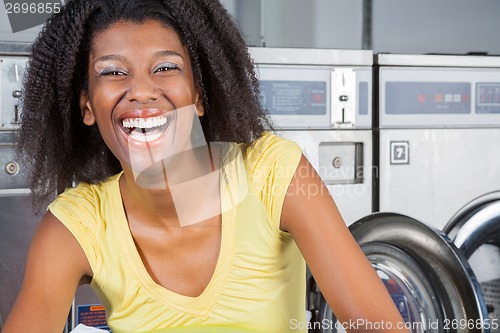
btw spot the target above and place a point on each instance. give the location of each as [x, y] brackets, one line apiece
[321, 99]
[428, 277]
[439, 128]
[18, 221]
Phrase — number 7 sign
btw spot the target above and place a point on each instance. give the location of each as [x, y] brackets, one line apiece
[400, 152]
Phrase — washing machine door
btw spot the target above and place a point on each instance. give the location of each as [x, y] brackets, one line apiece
[475, 230]
[429, 280]
[476, 224]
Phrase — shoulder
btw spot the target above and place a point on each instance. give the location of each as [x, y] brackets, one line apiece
[270, 162]
[86, 192]
[84, 201]
[269, 144]
[82, 211]
[268, 150]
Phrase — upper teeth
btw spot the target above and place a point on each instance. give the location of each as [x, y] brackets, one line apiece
[144, 122]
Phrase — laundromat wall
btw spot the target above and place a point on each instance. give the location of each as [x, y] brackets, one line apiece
[402, 26]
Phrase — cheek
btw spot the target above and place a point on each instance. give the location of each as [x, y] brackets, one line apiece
[103, 103]
[105, 133]
[105, 92]
[182, 90]
[102, 111]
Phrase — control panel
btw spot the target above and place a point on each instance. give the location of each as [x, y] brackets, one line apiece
[488, 97]
[428, 97]
[315, 88]
[439, 97]
[311, 97]
[287, 97]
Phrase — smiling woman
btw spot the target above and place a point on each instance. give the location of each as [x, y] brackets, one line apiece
[138, 74]
[181, 218]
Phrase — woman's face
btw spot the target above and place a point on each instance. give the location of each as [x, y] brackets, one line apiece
[138, 74]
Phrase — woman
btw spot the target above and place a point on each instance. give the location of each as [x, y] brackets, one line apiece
[114, 96]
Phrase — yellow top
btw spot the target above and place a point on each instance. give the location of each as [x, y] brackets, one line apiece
[259, 281]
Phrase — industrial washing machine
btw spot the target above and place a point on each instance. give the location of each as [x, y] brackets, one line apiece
[439, 120]
[322, 100]
[429, 279]
[17, 220]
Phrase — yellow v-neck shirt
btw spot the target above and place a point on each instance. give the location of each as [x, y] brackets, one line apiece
[259, 279]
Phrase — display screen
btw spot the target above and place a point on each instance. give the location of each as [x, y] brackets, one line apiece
[488, 98]
[294, 97]
[427, 98]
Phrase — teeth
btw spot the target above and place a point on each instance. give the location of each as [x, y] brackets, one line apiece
[143, 137]
[144, 122]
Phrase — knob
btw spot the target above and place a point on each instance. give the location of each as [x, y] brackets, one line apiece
[17, 94]
[343, 98]
[12, 168]
[337, 162]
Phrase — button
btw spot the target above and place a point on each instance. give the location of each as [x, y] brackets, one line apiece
[12, 168]
[17, 94]
[337, 162]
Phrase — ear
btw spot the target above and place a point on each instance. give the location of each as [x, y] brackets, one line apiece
[200, 109]
[86, 109]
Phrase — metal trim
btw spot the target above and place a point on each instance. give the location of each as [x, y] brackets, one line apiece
[447, 265]
[14, 192]
[15, 48]
[478, 225]
[431, 60]
[303, 56]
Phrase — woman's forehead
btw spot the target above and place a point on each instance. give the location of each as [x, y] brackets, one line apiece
[147, 27]
[124, 35]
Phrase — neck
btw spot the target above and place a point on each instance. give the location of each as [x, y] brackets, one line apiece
[155, 206]
[189, 177]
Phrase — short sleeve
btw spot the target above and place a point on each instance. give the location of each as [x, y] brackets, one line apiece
[76, 209]
[271, 163]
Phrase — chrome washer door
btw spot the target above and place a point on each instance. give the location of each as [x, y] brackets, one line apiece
[475, 230]
[429, 280]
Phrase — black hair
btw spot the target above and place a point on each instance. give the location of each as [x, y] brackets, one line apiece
[59, 149]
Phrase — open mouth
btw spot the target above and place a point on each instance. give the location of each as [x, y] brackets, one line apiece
[146, 129]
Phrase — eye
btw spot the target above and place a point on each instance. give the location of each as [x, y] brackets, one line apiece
[165, 67]
[113, 72]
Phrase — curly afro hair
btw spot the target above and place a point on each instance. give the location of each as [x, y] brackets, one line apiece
[55, 144]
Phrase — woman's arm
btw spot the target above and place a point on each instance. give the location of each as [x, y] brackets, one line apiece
[55, 266]
[344, 275]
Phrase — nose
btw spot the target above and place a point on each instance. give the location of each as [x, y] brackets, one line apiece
[142, 90]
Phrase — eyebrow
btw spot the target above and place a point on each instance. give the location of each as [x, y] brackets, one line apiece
[108, 57]
[168, 53]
